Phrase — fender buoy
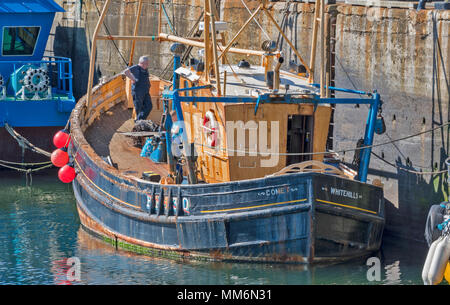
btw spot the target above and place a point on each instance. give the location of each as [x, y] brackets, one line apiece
[61, 138]
[430, 255]
[437, 261]
[210, 129]
[67, 173]
[60, 157]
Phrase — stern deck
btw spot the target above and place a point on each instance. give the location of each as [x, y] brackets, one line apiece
[105, 137]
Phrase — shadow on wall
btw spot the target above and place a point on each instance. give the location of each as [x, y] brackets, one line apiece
[411, 192]
[415, 196]
[71, 42]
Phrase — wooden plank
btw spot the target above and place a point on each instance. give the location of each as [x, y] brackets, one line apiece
[139, 133]
[312, 61]
[384, 3]
[322, 118]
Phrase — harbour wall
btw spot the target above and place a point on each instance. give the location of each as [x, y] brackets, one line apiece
[401, 53]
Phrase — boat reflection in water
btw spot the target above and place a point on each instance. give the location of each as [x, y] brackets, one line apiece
[103, 264]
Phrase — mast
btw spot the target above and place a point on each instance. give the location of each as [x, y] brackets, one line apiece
[93, 53]
[312, 58]
[214, 45]
[136, 28]
[209, 43]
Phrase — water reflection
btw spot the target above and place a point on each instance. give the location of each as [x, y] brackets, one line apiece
[102, 263]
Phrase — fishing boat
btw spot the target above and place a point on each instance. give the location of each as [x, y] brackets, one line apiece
[35, 90]
[237, 168]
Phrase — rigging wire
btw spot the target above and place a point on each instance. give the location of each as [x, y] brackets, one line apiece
[386, 133]
[339, 151]
[409, 170]
[109, 34]
[256, 21]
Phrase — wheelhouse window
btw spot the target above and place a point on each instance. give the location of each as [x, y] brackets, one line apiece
[19, 41]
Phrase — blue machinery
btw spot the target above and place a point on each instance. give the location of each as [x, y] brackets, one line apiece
[35, 90]
[36, 93]
[373, 100]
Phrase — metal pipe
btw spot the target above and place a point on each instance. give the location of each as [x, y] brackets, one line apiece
[368, 138]
[276, 72]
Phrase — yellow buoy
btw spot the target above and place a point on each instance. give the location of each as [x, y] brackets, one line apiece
[447, 273]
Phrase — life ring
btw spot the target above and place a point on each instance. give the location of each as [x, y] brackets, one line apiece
[186, 206]
[210, 129]
[36, 80]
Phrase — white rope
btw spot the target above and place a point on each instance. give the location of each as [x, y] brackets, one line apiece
[254, 19]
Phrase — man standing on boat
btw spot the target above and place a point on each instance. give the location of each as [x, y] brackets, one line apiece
[140, 87]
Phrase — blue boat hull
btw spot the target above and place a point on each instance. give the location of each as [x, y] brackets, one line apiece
[295, 218]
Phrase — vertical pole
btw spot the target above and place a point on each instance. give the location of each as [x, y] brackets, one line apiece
[168, 127]
[176, 77]
[224, 82]
[326, 53]
[70, 79]
[322, 49]
[93, 53]
[312, 61]
[206, 39]
[136, 27]
[214, 47]
[368, 137]
[159, 18]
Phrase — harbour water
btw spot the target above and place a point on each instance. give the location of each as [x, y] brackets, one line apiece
[40, 230]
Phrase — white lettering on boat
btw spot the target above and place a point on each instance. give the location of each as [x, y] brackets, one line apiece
[278, 191]
[345, 193]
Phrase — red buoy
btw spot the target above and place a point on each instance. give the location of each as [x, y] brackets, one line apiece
[67, 173]
[61, 138]
[60, 157]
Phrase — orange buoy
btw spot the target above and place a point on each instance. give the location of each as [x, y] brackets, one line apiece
[60, 157]
[61, 138]
[67, 173]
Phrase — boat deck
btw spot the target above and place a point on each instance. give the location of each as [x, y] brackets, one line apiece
[105, 138]
[251, 81]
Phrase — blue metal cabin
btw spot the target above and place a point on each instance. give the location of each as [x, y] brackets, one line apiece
[35, 90]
